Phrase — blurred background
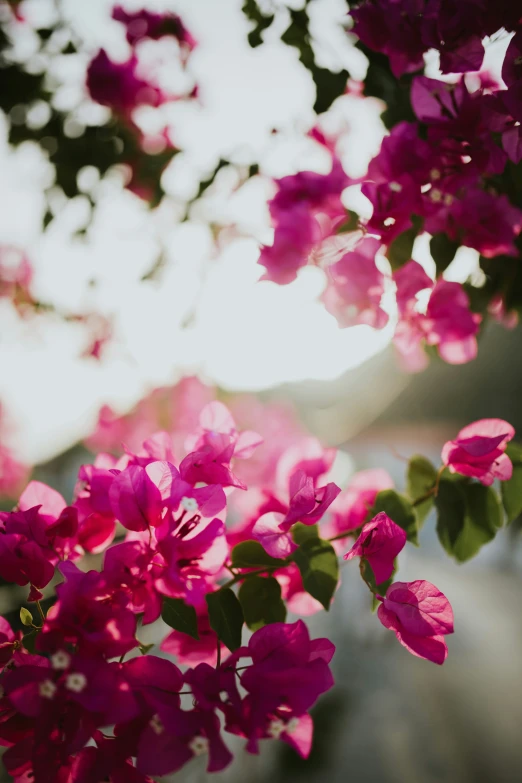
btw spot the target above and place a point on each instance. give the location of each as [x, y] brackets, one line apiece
[123, 300]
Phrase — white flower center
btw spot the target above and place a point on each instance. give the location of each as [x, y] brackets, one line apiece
[396, 187]
[448, 199]
[199, 746]
[156, 725]
[61, 660]
[47, 689]
[292, 725]
[276, 728]
[189, 504]
[435, 174]
[435, 195]
[76, 682]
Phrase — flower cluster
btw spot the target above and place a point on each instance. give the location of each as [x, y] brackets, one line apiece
[446, 168]
[405, 29]
[122, 86]
[179, 531]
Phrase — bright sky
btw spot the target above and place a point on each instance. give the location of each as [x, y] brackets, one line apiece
[206, 313]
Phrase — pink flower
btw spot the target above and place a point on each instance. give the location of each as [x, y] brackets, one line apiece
[307, 455]
[118, 86]
[36, 536]
[447, 321]
[296, 234]
[9, 641]
[215, 420]
[97, 523]
[307, 505]
[450, 324]
[305, 210]
[392, 28]
[355, 287]
[420, 616]
[287, 669]
[135, 500]
[351, 507]
[144, 24]
[214, 445]
[189, 558]
[379, 543]
[90, 615]
[479, 451]
[126, 567]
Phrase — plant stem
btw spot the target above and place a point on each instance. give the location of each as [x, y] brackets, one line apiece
[40, 611]
[239, 577]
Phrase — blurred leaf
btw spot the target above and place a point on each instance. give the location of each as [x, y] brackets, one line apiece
[468, 516]
[261, 21]
[25, 616]
[350, 224]
[329, 85]
[29, 642]
[260, 599]
[399, 252]
[381, 83]
[443, 251]
[180, 616]
[317, 562]
[512, 490]
[420, 478]
[226, 617]
[301, 533]
[250, 554]
[400, 510]
[145, 648]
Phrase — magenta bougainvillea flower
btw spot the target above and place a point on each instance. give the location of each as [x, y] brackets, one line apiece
[146, 24]
[288, 674]
[420, 616]
[305, 210]
[379, 542]
[355, 287]
[307, 505]
[118, 86]
[479, 451]
[350, 508]
[446, 321]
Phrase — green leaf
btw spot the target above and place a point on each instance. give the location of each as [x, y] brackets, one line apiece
[317, 562]
[226, 617]
[145, 648]
[468, 516]
[350, 224]
[260, 599]
[512, 490]
[400, 510]
[301, 533]
[420, 478]
[261, 21]
[250, 554]
[443, 251]
[399, 251]
[25, 616]
[180, 616]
